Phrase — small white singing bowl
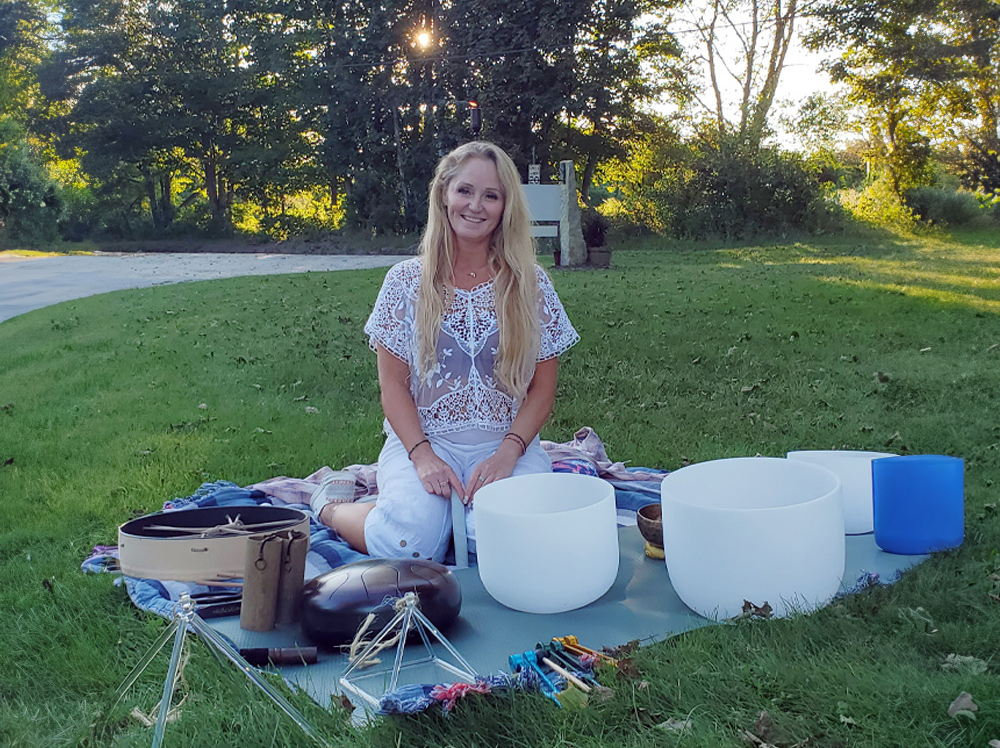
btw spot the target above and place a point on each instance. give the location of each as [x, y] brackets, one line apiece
[547, 543]
[854, 468]
[760, 529]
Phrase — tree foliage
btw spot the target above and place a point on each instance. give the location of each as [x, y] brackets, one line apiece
[223, 100]
[29, 202]
[23, 25]
[920, 68]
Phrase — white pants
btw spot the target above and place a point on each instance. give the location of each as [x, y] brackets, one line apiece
[408, 522]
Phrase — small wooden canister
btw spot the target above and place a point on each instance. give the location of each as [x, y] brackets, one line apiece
[260, 582]
[294, 546]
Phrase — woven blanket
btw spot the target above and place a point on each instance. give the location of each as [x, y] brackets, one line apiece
[585, 454]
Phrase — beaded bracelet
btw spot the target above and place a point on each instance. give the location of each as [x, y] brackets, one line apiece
[523, 444]
[422, 441]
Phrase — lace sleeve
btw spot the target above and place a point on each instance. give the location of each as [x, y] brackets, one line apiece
[391, 322]
[558, 334]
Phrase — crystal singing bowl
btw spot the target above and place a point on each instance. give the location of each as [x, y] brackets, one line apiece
[548, 542]
[757, 529]
[854, 469]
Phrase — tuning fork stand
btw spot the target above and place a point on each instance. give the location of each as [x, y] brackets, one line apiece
[185, 619]
[408, 619]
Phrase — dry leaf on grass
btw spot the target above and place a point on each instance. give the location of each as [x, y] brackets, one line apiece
[956, 663]
[675, 725]
[764, 728]
[756, 611]
[752, 739]
[622, 650]
[627, 669]
[963, 705]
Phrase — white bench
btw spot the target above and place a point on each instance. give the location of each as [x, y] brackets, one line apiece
[545, 204]
[555, 214]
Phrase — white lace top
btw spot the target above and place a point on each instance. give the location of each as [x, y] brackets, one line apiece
[461, 395]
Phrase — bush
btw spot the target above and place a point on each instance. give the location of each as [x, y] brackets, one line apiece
[595, 228]
[879, 205]
[30, 205]
[835, 170]
[730, 192]
[943, 207]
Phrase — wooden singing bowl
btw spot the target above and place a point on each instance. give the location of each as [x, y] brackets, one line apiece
[650, 521]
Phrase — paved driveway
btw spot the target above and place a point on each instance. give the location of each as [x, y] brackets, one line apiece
[32, 283]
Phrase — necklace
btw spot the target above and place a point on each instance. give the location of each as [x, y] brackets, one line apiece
[475, 273]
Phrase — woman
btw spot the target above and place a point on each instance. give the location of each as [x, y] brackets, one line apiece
[467, 337]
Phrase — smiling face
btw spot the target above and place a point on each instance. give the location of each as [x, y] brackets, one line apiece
[474, 202]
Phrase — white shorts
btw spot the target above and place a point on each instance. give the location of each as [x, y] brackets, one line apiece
[408, 522]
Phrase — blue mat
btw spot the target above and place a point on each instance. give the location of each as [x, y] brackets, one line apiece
[641, 604]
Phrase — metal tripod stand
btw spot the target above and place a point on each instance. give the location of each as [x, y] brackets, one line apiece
[185, 619]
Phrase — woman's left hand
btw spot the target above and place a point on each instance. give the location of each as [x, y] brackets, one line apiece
[497, 466]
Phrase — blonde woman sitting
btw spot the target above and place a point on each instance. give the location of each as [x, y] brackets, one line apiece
[467, 337]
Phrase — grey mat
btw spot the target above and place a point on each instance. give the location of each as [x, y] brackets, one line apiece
[640, 605]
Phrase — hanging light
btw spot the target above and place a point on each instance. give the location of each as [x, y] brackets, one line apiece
[475, 118]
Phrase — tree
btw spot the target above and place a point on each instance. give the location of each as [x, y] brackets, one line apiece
[820, 121]
[111, 68]
[196, 89]
[622, 62]
[255, 99]
[761, 32]
[908, 63]
[23, 26]
[966, 88]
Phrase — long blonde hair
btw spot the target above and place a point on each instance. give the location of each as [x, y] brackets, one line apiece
[511, 257]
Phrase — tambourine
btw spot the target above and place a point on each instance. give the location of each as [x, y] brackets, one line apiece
[206, 545]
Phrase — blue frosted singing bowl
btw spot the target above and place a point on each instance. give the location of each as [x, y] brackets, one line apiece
[918, 503]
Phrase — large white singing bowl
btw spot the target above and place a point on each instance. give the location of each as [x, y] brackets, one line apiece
[547, 543]
[855, 472]
[760, 529]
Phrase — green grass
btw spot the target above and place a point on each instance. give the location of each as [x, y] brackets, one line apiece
[113, 404]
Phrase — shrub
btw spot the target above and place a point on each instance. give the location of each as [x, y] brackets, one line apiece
[732, 192]
[595, 228]
[29, 200]
[836, 170]
[943, 207]
[879, 205]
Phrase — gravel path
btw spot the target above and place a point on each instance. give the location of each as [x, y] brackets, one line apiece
[28, 283]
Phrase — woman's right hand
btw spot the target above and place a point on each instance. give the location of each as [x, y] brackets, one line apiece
[436, 475]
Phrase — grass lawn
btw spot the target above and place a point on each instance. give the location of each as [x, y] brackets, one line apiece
[113, 404]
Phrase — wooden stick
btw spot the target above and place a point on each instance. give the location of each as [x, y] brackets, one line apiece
[566, 674]
[219, 582]
[225, 527]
